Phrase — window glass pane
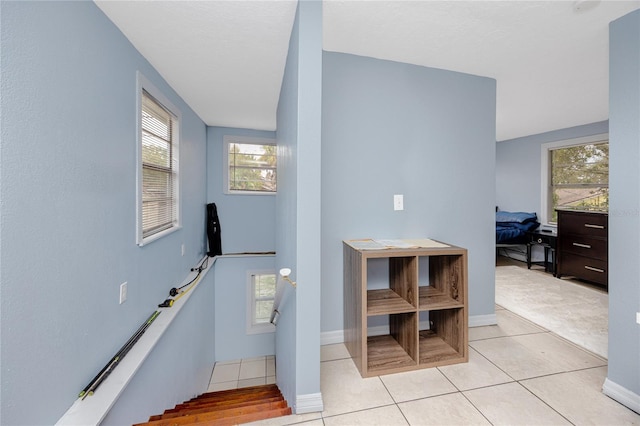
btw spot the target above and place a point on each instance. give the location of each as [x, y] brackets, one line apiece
[579, 177]
[159, 177]
[263, 289]
[252, 167]
[263, 311]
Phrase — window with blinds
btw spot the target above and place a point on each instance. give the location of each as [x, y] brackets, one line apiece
[159, 157]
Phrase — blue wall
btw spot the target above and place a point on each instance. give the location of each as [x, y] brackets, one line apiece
[69, 210]
[624, 210]
[391, 128]
[247, 221]
[518, 166]
[232, 340]
[298, 207]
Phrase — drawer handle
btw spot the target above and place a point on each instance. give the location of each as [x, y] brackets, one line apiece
[591, 268]
[582, 245]
[588, 225]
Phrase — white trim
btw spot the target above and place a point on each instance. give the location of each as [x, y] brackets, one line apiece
[482, 320]
[337, 336]
[143, 83]
[331, 337]
[93, 410]
[621, 394]
[544, 167]
[309, 403]
[251, 328]
[229, 139]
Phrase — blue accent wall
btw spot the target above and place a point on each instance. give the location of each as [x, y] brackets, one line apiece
[68, 219]
[247, 221]
[392, 128]
[624, 205]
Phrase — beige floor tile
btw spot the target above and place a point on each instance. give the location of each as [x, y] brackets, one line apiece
[476, 373]
[383, 416]
[344, 390]
[417, 384]
[512, 404]
[257, 381]
[509, 324]
[452, 409]
[253, 369]
[258, 358]
[225, 373]
[233, 361]
[333, 352]
[533, 355]
[214, 387]
[308, 419]
[578, 396]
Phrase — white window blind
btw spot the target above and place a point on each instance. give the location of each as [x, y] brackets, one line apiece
[159, 167]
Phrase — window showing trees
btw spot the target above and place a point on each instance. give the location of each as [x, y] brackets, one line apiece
[261, 293]
[251, 165]
[579, 178]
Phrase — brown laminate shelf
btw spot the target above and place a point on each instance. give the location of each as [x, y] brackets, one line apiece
[386, 301]
[430, 299]
[402, 303]
[436, 350]
[384, 353]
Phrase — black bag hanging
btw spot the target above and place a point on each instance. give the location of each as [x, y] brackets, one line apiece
[213, 230]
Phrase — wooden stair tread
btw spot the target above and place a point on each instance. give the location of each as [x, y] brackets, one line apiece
[176, 412]
[228, 407]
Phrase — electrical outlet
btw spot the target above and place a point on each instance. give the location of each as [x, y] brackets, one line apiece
[123, 292]
[398, 202]
[638, 317]
[182, 249]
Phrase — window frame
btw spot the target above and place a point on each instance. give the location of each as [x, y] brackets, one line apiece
[227, 141]
[545, 170]
[144, 84]
[251, 327]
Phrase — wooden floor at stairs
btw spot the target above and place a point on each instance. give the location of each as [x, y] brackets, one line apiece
[229, 407]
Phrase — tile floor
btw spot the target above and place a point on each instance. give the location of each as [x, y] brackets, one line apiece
[242, 373]
[518, 374]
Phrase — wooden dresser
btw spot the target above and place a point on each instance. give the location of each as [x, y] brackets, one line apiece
[583, 245]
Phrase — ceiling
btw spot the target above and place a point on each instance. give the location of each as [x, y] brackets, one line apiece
[226, 58]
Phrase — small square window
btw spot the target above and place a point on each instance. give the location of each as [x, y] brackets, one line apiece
[261, 291]
[250, 165]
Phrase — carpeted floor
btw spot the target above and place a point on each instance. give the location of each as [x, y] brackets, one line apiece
[574, 311]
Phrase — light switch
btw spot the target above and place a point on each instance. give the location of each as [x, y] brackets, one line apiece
[398, 202]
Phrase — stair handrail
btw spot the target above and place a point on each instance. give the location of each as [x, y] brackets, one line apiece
[284, 276]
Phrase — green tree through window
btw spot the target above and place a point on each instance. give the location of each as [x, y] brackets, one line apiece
[579, 178]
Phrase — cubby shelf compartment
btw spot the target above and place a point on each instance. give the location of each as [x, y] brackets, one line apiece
[402, 299]
[386, 301]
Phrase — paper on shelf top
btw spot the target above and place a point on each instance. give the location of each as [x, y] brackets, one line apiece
[381, 244]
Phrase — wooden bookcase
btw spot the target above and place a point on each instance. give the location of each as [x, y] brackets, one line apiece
[428, 320]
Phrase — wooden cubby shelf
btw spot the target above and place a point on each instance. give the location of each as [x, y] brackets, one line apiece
[424, 304]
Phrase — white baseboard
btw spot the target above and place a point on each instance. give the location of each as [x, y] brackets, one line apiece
[621, 394]
[310, 403]
[337, 336]
[331, 337]
[482, 320]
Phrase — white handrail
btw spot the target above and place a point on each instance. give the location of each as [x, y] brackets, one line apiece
[280, 287]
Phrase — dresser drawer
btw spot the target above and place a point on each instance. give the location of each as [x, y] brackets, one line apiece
[585, 246]
[583, 223]
[583, 267]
